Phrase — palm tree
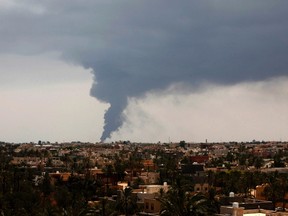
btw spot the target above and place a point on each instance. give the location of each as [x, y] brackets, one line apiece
[67, 161]
[119, 167]
[180, 202]
[258, 162]
[127, 204]
[212, 197]
[276, 188]
[194, 205]
[134, 164]
[108, 170]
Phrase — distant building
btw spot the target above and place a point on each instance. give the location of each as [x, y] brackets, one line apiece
[147, 197]
[192, 169]
[152, 206]
[59, 176]
[31, 161]
[201, 187]
[149, 177]
[247, 207]
[199, 159]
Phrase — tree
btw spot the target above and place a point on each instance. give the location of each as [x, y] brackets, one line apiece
[134, 163]
[127, 204]
[242, 159]
[46, 185]
[119, 167]
[168, 168]
[230, 156]
[215, 203]
[108, 170]
[138, 181]
[276, 188]
[278, 161]
[258, 162]
[246, 183]
[182, 144]
[67, 161]
[179, 201]
[63, 198]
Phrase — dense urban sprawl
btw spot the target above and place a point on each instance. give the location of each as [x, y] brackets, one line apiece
[125, 178]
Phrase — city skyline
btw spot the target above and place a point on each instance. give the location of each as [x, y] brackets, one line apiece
[100, 70]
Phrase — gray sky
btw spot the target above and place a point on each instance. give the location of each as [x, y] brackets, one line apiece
[137, 51]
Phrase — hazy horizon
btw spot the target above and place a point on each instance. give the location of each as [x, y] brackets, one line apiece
[143, 71]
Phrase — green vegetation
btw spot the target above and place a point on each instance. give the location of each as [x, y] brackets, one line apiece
[27, 189]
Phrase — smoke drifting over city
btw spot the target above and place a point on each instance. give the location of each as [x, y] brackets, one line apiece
[135, 47]
[156, 45]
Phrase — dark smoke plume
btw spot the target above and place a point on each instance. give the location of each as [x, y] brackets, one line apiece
[155, 45]
[138, 46]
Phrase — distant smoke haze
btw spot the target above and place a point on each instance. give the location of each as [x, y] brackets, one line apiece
[239, 112]
[156, 45]
[135, 47]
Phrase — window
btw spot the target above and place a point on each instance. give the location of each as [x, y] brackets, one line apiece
[147, 205]
[152, 206]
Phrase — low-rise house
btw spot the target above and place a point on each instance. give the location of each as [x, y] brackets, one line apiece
[200, 159]
[56, 162]
[31, 161]
[240, 211]
[260, 194]
[239, 206]
[236, 210]
[149, 177]
[59, 176]
[149, 165]
[147, 197]
[201, 187]
[151, 206]
[192, 169]
[95, 171]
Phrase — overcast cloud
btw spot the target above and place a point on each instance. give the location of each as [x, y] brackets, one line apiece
[241, 112]
[138, 47]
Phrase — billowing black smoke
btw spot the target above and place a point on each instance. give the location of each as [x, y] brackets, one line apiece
[154, 45]
[137, 46]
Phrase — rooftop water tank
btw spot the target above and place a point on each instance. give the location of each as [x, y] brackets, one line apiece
[235, 205]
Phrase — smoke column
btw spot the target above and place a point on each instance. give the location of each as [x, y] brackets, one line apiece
[185, 43]
[134, 47]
